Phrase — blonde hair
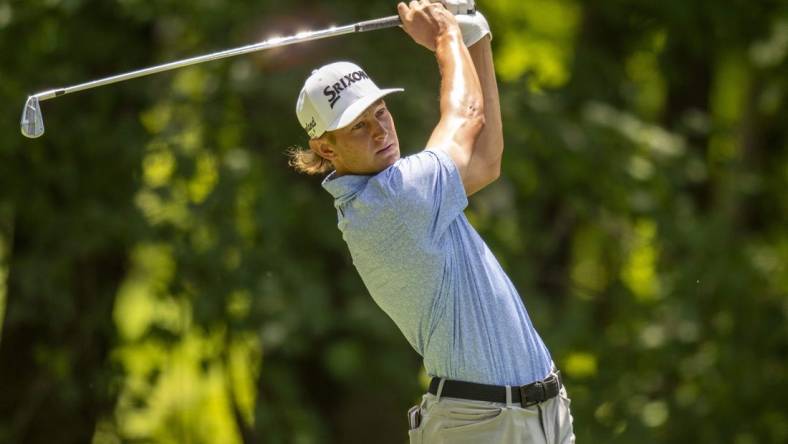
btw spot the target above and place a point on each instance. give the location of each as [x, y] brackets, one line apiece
[307, 161]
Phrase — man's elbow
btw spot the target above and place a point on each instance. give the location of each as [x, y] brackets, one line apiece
[494, 171]
[480, 176]
[490, 172]
[494, 167]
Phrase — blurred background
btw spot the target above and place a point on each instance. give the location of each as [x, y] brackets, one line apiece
[166, 278]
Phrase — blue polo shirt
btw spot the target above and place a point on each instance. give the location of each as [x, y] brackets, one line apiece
[428, 269]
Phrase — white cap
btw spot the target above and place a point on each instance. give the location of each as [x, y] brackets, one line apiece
[334, 96]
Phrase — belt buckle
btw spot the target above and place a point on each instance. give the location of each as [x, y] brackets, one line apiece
[549, 382]
[524, 399]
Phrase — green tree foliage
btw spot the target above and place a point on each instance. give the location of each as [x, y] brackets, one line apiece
[164, 277]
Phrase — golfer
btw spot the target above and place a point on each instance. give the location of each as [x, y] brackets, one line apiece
[422, 262]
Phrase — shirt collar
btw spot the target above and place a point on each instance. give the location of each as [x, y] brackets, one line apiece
[344, 188]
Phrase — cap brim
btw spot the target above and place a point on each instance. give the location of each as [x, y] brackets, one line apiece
[353, 111]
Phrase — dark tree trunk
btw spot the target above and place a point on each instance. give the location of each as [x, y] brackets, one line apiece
[689, 90]
[54, 351]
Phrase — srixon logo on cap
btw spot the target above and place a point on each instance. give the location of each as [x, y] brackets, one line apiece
[333, 92]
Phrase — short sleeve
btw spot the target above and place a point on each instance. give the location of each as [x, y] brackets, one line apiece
[427, 190]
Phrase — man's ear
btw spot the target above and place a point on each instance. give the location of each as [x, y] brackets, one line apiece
[323, 148]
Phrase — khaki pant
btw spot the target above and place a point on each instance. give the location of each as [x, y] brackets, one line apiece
[457, 421]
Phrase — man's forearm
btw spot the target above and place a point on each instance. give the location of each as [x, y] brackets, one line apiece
[461, 93]
[486, 158]
[461, 104]
[461, 98]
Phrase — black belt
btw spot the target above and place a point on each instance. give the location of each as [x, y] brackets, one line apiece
[526, 395]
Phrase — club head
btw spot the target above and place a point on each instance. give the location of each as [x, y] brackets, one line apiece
[32, 123]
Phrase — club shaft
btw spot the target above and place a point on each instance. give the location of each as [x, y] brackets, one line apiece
[369, 25]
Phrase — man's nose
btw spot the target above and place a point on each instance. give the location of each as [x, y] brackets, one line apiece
[378, 131]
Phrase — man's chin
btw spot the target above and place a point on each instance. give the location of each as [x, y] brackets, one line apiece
[390, 160]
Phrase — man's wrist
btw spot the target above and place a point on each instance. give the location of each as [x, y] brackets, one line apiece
[450, 33]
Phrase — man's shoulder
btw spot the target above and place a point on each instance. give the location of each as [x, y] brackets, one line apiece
[426, 155]
[412, 167]
[405, 180]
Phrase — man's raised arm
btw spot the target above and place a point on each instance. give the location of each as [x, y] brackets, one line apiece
[485, 164]
[461, 98]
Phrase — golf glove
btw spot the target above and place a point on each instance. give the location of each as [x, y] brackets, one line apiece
[473, 27]
[458, 7]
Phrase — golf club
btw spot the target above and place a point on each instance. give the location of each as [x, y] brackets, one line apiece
[32, 122]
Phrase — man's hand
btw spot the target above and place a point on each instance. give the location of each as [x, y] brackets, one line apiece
[425, 21]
